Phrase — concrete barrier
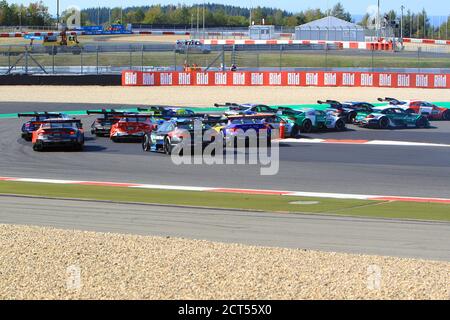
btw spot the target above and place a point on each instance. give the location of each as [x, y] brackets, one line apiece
[63, 80]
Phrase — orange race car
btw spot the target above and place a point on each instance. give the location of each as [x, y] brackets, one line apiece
[58, 133]
[132, 127]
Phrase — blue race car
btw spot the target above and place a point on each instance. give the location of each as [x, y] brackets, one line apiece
[241, 127]
[37, 118]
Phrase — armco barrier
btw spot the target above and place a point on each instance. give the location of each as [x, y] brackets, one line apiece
[292, 79]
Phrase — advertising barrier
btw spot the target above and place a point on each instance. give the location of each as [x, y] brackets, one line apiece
[285, 78]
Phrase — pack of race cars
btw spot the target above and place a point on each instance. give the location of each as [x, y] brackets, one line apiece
[163, 128]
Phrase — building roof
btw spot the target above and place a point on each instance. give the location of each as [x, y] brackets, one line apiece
[330, 22]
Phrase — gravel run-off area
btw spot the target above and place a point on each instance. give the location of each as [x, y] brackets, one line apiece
[201, 96]
[44, 263]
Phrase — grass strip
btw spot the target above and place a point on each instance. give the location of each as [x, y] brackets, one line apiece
[271, 203]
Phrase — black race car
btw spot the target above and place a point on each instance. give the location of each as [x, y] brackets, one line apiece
[101, 127]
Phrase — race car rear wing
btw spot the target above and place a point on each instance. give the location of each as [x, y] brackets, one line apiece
[393, 101]
[227, 104]
[333, 103]
[61, 121]
[39, 114]
[107, 113]
[252, 116]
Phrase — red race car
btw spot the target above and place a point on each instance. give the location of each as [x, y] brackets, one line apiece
[431, 111]
[132, 127]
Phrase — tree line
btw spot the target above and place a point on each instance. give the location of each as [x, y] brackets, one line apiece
[415, 25]
[35, 14]
[215, 15]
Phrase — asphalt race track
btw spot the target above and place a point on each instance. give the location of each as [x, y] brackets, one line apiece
[414, 239]
[360, 169]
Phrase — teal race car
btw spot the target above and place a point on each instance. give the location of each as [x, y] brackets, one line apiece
[391, 117]
[308, 120]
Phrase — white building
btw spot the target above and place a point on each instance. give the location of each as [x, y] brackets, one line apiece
[330, 29]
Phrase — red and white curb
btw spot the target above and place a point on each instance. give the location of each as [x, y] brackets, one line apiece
[342, 44]
[234, 190]
[366, 142]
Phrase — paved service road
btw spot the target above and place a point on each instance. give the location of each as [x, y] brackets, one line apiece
[428, 240]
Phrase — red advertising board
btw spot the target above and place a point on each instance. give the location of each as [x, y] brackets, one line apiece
[294, 79]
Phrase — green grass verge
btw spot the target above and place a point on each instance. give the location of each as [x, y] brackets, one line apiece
[363, 208]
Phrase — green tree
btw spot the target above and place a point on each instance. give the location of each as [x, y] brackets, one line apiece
[338, 11]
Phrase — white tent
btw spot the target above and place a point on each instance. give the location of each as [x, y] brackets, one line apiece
[331, 29]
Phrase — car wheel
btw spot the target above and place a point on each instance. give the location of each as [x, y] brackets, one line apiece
[167, 146]
[295, 131]
[446, 115]
[27, 138]
[340, 125]
[383, 123]
[38, 146]
[146, 143]
[307, 126]
[351, 117]
[421, 122]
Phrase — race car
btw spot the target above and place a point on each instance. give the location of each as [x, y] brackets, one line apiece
[391, 117]
[59, 133]
[132, 127]
[101, 127]
[346, 111]
[308, 120]
[172, 133]
[36, 120]
[239, 126]
[168, 113]
[246, 108]
[431, 111]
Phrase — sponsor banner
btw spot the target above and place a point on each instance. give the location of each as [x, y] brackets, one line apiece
[290, 79]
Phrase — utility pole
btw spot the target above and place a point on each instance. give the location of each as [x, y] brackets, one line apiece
[401, 22]
[198, 19]
[378, 21]
[203, 19]
[57, 14]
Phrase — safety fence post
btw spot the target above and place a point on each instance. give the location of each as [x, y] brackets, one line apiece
[53, 60]
[97, 58]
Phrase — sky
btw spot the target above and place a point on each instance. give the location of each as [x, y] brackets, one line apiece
[434, 7]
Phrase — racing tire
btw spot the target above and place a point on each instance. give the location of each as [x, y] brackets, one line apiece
[307, 126]
[79, 147]
[38, 147]
[446, 115]
[421, 123]
[295, 131]
[340, 125]
[167, 146]
[146, 143]
[383, 123]
[351, 117]
[27, 138]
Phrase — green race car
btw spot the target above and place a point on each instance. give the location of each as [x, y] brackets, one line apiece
[308, 120]
[391, 117]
